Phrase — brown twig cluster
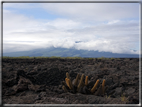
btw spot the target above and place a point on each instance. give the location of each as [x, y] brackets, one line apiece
[81, 85]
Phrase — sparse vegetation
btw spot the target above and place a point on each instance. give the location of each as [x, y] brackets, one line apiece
[123, 98]
[102, 58]
[108, 96]
[57, 57]
[81, 86]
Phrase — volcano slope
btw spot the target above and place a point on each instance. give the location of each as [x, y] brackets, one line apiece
[39, 81]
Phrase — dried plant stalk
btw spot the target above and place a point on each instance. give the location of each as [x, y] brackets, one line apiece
[86, 80]
[99, 90]
[76, 80]
[81, 82]
[95, 86]
[70, 84]
[67, 82]
[67, 75]
[103, 87]
[64, 88]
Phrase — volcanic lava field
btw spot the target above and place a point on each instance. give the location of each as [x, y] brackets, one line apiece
[45, 81]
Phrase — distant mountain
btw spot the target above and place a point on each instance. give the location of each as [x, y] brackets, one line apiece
[64, 52]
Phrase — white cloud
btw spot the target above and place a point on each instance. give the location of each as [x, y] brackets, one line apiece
[94, 11]
[110, 33]
[112, 22]
[20, 5]
[64, 24]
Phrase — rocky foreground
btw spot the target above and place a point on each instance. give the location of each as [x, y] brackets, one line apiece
[39, 81]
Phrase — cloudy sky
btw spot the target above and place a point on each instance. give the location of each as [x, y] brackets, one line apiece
[108, 27]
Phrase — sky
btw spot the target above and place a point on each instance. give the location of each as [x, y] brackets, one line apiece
[103, 27]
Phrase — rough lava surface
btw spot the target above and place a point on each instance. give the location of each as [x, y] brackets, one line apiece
[38, 81]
